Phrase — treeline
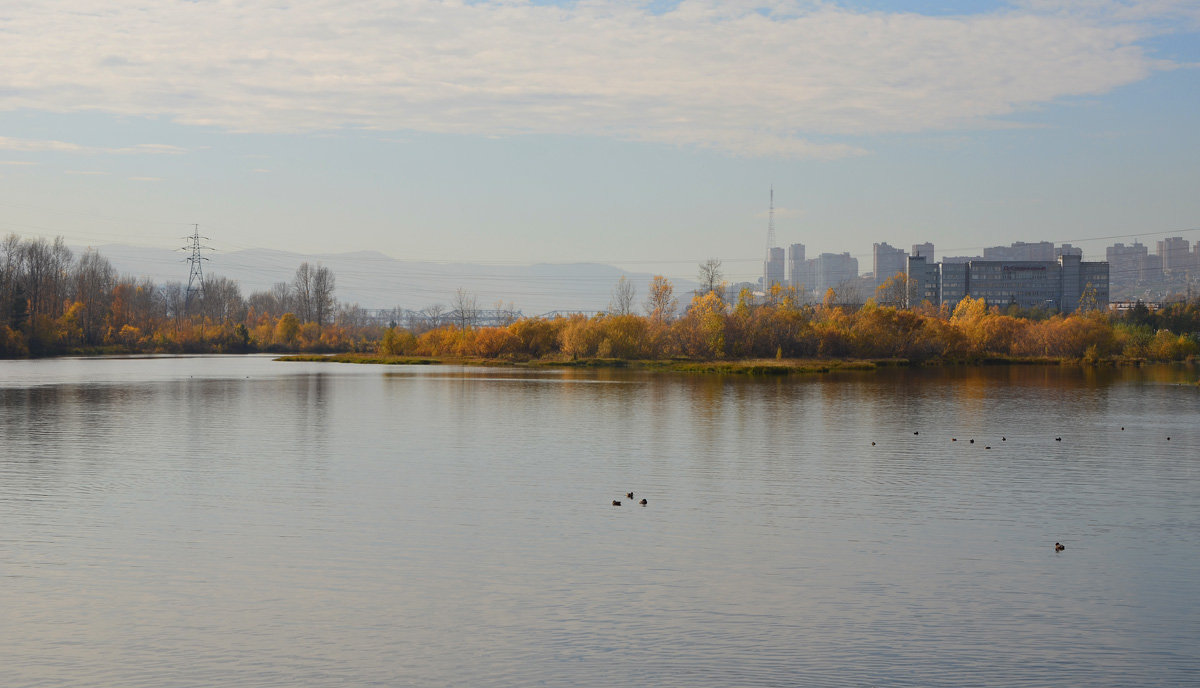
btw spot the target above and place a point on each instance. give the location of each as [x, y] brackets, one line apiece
[780, 327]
[52, 302]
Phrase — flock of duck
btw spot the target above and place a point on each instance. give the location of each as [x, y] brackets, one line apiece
[617, 502]
[1058, 546]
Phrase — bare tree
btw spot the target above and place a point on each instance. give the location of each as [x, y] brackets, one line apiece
[466, 310]
[171, 300]
[848, 292]
[711, 278]
[302, 292]
[323, 300]
[276, 301]
[45, 266]
[432, 317]
[312, 289]
[352, 316]
[622, 297]
[222, 299]
[94, 279]
[506, 313]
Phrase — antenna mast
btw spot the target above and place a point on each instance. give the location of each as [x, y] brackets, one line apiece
[195, 287]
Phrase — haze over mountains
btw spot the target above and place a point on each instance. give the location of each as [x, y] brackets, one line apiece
[374, 280]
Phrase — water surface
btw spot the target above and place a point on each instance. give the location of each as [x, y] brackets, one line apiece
[239, 521]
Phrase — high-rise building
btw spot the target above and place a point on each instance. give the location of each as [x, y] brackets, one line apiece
[1176, 254]
[888, 261]
[1020, 250]
[801, 272]
[835, 270]
[795, 262]
[924, 250]
[773, 268]
[1067, 250]
[1126, 264]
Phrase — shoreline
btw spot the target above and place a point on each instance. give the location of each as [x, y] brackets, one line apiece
[764, 367]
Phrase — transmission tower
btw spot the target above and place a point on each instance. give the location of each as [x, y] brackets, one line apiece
[195, 287]
[770, 275]
[771, 223]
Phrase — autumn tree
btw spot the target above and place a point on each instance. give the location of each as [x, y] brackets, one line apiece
[287, 330]
[893, 292]
[701, 331]
[661, 302]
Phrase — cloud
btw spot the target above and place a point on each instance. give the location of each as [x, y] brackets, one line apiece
[17, 162]
[145, 179]
[788, 78]
[42, 146]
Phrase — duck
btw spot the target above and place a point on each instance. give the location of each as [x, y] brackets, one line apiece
[916, 433]
[1003, 439]
[616, 502]
[972, 441]
[1058, 439]
[629, 495]
[1058, 547]
[643, 502]
[872, 444]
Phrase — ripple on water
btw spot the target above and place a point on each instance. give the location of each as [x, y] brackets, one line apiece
[169, 522]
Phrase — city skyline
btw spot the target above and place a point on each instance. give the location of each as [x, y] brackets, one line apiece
[645, 136]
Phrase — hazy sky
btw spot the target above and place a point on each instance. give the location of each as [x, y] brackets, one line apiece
[640, 134]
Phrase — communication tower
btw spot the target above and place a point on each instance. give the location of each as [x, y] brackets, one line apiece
[773, 260]
[195, 287]
[771, 224]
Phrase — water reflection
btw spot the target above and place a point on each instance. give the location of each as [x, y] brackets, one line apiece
[230, 521]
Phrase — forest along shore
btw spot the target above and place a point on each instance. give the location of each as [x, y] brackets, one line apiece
[52, 304]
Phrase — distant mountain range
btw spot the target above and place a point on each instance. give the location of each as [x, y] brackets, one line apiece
[374, 280]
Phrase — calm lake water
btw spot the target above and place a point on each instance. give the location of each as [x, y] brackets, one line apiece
[244, 522]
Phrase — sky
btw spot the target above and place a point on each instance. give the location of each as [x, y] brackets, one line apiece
[643, 135]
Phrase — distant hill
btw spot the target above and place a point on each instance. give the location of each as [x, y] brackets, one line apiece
[374, 280]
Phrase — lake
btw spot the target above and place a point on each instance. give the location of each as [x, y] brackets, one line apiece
[201, 521]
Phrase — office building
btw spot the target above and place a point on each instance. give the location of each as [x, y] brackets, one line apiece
[1053, 284]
